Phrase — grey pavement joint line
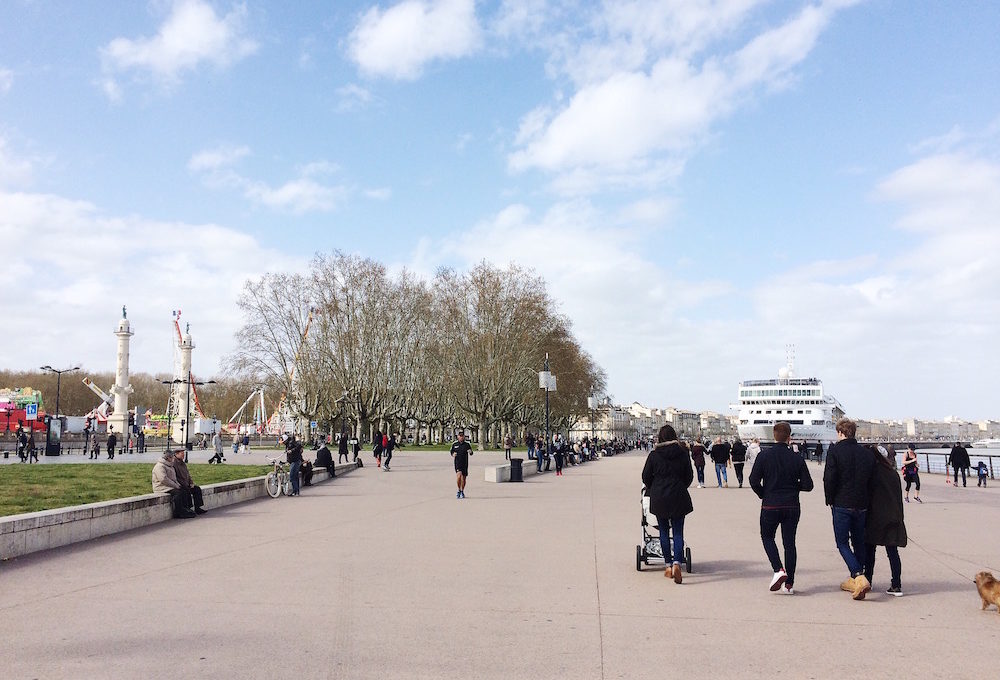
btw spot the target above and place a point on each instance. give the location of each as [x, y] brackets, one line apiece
[597, 574]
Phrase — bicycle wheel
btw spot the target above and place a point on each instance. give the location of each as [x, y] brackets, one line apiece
[272, 484]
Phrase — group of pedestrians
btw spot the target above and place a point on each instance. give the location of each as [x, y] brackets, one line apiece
[861, 486]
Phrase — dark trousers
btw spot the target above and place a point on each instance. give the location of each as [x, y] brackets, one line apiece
[342, 454]
[182, 500]
[895, 566]
[738, 468]
[700, 469]
[331, 470]
[981, 482]
[956, 476]
[788, 520]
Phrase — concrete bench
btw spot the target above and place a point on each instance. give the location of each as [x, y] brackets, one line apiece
[501, 473]
[36, 531]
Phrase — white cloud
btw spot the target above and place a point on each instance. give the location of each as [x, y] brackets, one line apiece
[300, 195]
[91, 263]
[214, 159]
[16, 169]
[190, 36]
[400, 41]
[6, 80]
[643, 100]
[352, 97]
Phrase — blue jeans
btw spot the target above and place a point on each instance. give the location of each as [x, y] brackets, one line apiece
[293, 472]
[701, 474]
[849, 532]
[788, 520]
[720, 473]
[956, 476]
[677, 524]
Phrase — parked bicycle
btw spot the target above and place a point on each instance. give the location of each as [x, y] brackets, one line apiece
[278, 480]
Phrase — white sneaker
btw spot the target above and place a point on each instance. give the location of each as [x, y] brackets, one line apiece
[778, 580]
[787, 590]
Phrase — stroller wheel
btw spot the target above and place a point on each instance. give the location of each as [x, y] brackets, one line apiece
[638, 558]
[687, 559]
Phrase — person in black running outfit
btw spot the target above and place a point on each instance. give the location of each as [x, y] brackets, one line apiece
[460, 451]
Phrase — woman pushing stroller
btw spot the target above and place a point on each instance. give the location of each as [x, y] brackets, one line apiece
[667, 476]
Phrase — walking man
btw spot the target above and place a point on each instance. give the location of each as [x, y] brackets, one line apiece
[846, 483]
[460, 452]
[739, 459]
[342, 448]
[112, 443]
[217, 445]
[958, 459]
[720, 456]
[777, 477]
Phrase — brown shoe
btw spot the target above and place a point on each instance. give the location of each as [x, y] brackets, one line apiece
[678, 576]
[861, 587]
[848, 585]
[668, 572]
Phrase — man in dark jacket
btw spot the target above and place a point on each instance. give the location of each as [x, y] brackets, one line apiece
[884, 525]
[847, 484]
[187, 484]
[739, 454]
[720, 456]
[958, 459]
[777, 477]
[324, 459]
[342, 449]
[293, 454]
[667, 476]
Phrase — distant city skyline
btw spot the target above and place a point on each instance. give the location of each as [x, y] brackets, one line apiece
[699, 183]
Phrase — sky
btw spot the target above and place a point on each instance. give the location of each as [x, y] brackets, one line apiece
[700, 182]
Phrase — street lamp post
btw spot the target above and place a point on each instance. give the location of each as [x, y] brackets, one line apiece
[547, 380]
[55, 448]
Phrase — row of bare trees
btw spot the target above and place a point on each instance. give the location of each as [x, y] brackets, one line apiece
[350, 341]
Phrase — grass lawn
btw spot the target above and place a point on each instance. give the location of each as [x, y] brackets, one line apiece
[28, 488]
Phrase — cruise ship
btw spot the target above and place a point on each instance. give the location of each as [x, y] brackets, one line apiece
[800, 402]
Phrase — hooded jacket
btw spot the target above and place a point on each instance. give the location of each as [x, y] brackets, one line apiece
[164, 477]
[667, 476]
[884, 525]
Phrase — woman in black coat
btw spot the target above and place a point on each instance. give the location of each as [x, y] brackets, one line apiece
[667, 476]
[884, 524]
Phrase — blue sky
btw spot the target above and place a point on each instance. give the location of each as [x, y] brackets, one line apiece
[700, 182]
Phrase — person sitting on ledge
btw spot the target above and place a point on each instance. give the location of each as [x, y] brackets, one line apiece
[184, 479]
[324, 459]
[165, 481]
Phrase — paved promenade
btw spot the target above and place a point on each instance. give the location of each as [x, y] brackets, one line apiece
[387, 575]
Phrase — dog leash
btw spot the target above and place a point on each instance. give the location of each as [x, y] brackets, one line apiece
[948, 566]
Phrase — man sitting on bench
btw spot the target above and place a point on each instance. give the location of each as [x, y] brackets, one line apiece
[165, 480]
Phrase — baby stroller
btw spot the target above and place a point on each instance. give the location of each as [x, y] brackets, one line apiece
[650, 547]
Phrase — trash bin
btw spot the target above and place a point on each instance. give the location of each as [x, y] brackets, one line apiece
[516, 474]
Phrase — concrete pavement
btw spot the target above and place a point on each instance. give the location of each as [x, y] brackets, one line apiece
[387, 575]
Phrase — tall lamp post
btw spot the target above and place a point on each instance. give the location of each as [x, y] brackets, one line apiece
[547, 381]
[54, 448]
[592, 404]
[170, 411]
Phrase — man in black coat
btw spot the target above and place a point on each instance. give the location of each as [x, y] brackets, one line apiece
[324, 459]
[777, 477]
[342, 448]
[739, 455]
[958, 459]
[720, 456]
[847, 484]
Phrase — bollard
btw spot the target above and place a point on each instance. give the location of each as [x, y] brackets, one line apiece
[516, 473]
